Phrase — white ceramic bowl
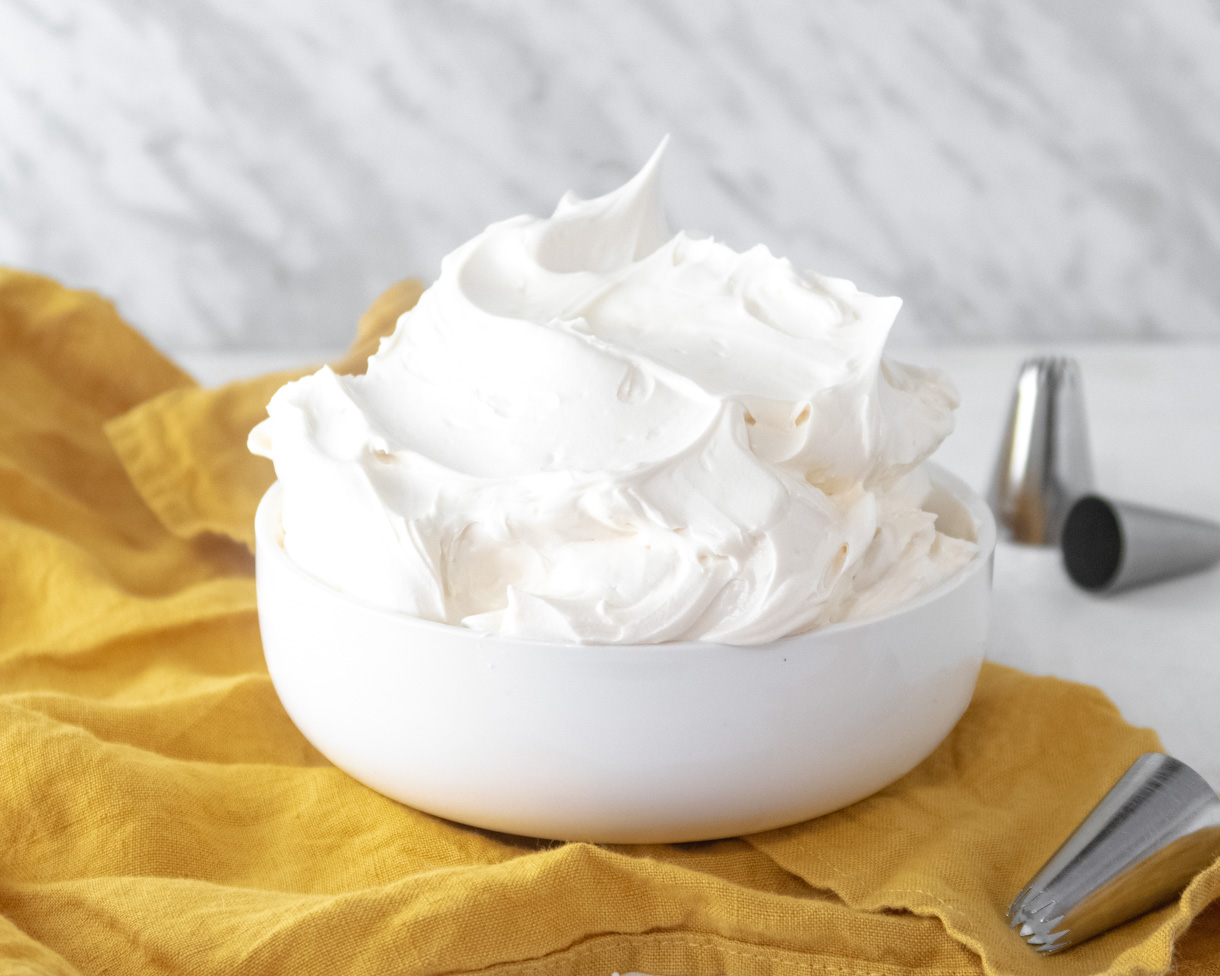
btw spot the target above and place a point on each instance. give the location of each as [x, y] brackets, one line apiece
[626, 743]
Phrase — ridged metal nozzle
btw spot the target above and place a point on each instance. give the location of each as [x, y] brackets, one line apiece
[1044, 462]
[1150, 835]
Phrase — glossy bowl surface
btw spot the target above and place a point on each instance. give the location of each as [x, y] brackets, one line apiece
[625, 743]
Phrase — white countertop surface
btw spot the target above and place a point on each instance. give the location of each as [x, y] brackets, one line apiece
[1154, 422]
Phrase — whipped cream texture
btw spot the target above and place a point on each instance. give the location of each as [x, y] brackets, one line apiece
[591, 430]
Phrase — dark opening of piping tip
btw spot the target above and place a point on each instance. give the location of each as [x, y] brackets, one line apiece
[1091, 543]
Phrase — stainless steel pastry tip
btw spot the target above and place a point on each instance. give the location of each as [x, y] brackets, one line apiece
[1110, 545]
[1034, 912]
[1150, 835]
[1044, 462]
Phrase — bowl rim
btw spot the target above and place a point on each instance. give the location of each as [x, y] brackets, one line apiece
[981, 514]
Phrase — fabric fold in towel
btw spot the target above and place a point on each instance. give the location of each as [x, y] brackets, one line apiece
[162, 814]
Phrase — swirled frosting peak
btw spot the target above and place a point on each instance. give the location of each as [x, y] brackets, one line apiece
[592, 430]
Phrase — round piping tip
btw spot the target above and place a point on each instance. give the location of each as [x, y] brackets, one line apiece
[1111, 545]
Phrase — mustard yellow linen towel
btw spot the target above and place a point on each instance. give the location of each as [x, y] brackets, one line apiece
[161, 814]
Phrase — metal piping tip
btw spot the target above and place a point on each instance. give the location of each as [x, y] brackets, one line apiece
[1142, 844]
[1044, 462]
[1035, 912]
[1110, 545]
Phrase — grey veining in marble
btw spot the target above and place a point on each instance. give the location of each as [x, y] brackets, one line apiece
[239, 174]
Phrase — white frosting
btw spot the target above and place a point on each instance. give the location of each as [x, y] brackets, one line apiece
[588, 430]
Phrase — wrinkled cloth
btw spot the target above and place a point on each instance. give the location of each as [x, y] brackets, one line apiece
[161, 814]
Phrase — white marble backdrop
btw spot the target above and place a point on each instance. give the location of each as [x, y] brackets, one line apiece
[252, 174]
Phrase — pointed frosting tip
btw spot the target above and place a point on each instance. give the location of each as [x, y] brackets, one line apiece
[658, 155]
